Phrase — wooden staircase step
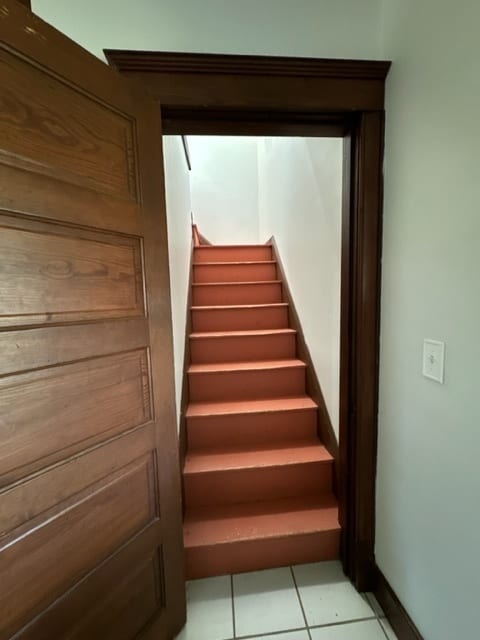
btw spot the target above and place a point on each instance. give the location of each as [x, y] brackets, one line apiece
[228, 346]
[257, 480]
[235, 271]
[227, 253]
[297, 452]
[246, 380]
[239, 317]
[249, 536]
[230, 293]
[264, 473]
[206, 409]
[250, 423]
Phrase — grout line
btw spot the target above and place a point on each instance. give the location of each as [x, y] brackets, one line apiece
[301, 603]
[271, 633]
[233, 607]
[344, 622]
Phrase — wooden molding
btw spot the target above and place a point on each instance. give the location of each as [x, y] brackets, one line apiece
[325, 429]
[211, 63]
[177, 121]
[396, 613]
[271, 83]
[259, 95]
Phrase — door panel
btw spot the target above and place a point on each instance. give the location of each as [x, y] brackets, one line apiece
[91, 400]
[126, 584]
[86, 143]
[66, 274]
[90, 508]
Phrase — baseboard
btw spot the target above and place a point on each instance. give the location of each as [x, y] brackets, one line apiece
[325, 429]
[398, 617]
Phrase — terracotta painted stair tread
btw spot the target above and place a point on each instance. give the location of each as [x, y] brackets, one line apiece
[251, 423]
[235, 293]
[272, 519]
[257, 480]
[242, 333]
[227, 253]
[199, 409]
[245, 537]
[239, 307]
[231, 272]
[293, 453]
[236, 284]
[246, 380]
[233, 262]
[264, 473]
[247, 345]
[259, 365]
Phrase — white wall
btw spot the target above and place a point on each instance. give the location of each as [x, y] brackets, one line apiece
[329, 28]
[428, 516]
[177, 187]
[300, 203]
[224, 188]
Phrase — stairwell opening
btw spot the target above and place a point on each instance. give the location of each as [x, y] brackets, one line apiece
[256, 316]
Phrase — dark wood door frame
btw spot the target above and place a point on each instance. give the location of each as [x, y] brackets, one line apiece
[256, 95]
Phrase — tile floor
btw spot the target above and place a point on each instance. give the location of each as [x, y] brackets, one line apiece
[304, 602]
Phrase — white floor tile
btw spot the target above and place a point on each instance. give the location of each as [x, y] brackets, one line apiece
[373, 602]
[290, 635]
[266, 601]
[364, 630]
[327, 595]
[388, 630]
[209, 610]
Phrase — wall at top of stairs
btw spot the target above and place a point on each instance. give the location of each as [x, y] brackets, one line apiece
[300, 204]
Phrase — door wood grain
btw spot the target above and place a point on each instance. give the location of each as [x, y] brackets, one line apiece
[90, 503]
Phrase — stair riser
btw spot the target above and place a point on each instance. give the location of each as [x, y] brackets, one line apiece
[237, 294]
[258, 483]
[239, 319]
[242, 348]
[209, 432]
[263, 553]
[233, 254]
[246, 385]
[234, 273]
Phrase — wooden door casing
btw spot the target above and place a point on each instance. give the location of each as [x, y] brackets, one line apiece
[90, 509]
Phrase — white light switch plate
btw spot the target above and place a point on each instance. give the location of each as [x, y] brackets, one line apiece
[434, 360]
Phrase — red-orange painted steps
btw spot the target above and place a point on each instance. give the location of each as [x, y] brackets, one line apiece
[240, 317]
[221, 293]
[246, 380]
[233, 253]
[246, 345]
[260, 535]
[251, 423]
[257, 481]
[235, 271]
[245, 475]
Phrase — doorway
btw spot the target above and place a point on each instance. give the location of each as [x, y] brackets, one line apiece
[256, 95]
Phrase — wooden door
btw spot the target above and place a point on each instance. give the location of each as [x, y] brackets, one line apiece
[90, 517]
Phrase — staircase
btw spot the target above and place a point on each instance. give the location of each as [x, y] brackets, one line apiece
[257, 480]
